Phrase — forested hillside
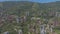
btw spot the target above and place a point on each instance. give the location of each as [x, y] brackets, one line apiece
[16, 15]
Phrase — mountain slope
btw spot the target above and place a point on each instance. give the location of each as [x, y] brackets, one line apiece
[12, 10]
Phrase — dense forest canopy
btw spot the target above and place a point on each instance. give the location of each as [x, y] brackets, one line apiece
[47, 11]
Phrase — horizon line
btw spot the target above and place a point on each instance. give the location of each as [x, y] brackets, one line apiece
[32, 1]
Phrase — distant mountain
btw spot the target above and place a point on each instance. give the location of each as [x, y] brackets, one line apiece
[30, 6]
[20, 7]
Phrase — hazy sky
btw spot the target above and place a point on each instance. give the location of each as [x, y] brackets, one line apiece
[43, 1]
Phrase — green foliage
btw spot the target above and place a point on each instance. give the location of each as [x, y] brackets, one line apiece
[41, 10]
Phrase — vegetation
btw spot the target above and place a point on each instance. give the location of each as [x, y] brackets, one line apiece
[47, 11]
